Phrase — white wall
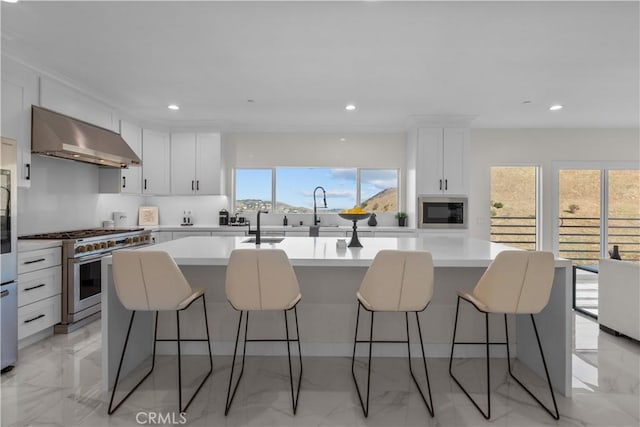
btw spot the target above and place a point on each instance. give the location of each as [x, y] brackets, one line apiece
[299, 149]
[542, 147]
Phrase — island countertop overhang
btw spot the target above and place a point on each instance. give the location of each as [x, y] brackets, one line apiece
[447, 251]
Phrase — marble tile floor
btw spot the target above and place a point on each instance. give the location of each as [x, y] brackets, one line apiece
[57, 383]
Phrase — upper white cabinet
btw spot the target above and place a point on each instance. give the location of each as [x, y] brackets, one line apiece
[442, 161]
[195, 163]
[19, 91]
[156, 162]
[126, 181]
[66, 100]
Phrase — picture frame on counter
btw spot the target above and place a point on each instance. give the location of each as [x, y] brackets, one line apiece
[148, 215]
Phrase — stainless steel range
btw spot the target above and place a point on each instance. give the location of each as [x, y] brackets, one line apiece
[82, 252]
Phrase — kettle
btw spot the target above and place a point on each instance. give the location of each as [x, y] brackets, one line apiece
[224, 217]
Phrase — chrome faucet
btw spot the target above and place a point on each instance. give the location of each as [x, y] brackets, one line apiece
[258, 226]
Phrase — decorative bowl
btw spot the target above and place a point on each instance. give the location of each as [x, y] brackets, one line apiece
[354, 216]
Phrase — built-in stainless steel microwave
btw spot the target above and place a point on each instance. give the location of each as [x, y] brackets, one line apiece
[442, 212]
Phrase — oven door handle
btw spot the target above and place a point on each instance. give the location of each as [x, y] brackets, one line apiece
[85, 260]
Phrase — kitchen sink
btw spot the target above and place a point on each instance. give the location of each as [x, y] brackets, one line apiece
[264, 240]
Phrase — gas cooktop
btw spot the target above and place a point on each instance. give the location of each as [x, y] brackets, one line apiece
[79, 234]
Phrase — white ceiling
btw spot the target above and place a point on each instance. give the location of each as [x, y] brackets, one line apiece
[302, 62]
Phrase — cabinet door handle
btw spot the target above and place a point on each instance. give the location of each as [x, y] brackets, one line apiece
[446, 185]
[4, 294]
[124, 182]
[193, 185]
[35, 287]
[145, 183]
[198, 185]
[40, 316]
[34, 261]
[28, 166]
[440, 184]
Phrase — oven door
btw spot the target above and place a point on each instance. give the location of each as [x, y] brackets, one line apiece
[84, 283]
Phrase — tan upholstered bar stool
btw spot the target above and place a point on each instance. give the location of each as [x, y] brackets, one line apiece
[151, 281]
[516, 282]
[258, 280]
[396, 281]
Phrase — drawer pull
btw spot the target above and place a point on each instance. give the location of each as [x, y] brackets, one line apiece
[34, 261]
[35, 287]
[40, 316]
[4, 294]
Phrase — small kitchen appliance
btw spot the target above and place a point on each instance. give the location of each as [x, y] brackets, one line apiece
[442, 212]
[224, 217]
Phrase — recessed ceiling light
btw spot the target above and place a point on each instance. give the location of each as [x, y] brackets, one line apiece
[556, 107]
[76, 155]
[350, 107]
[343, 139]
[173, 107]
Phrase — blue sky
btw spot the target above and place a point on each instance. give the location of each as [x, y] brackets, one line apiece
[295, 186]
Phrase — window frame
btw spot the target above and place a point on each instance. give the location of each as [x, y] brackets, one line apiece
[538, 197]
[357, 187]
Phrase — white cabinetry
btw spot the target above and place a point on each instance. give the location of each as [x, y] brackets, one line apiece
[195, 163]
[126, 181]
[442, 161]
[156, 162]
[39, 290]
[66, 100]
[181, 234]
[19, 91]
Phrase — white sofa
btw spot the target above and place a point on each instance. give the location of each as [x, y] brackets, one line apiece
[619, 297]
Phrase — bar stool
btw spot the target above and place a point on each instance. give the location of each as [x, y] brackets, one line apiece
[259, 280]
[396, 281]
[516, 282]
[151, 281]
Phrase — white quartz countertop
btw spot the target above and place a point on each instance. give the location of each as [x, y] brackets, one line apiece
[216, 228]
[447, 251]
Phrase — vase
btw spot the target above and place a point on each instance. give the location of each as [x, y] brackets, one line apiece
[614, 253]
[402, 222]
[372, 220]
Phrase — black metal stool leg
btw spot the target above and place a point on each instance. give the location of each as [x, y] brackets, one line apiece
[184, 409]
[487, 415]
[424, 361]
[231, 395]
[555, 415]
[294, 397]
[365, 408]
[124, 349]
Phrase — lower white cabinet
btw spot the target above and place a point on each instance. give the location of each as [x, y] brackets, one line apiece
[35, 317]
[181, 234]
[39, 290]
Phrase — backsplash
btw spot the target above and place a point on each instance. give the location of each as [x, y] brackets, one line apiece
[64, 196]
[204, 209]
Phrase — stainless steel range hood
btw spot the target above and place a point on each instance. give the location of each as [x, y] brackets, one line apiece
[56, 135]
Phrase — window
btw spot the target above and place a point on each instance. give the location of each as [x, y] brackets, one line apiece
[514, 206]
[294, 189]
[253, 189]
[291, 189]
[379, 190]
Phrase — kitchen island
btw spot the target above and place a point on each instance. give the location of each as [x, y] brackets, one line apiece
[329, 278]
